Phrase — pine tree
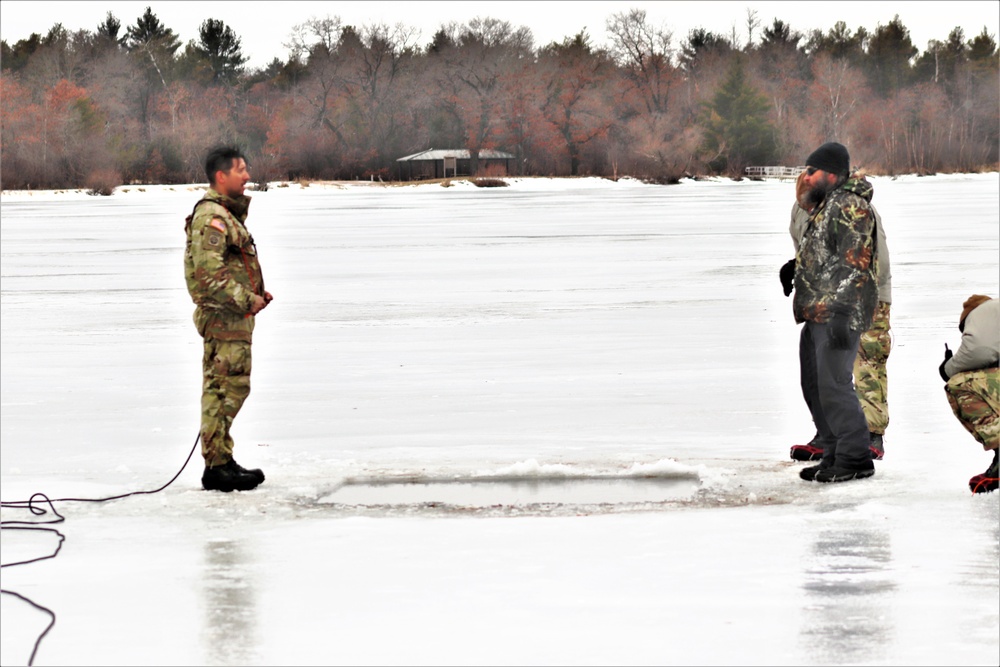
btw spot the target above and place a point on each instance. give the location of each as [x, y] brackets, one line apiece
[220, 47]
[736, 126]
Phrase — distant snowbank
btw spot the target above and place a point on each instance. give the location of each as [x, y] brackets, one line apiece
[513, 183]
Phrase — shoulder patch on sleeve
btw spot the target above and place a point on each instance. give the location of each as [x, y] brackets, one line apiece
[219, 224]
[213, 240]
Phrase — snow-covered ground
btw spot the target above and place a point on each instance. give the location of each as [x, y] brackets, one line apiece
[595, 385]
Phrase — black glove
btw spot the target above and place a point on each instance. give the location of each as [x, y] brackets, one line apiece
[840, 332]
[947, 356]
[787, 275]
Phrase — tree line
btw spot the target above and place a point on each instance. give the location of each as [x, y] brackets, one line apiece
[132, 104]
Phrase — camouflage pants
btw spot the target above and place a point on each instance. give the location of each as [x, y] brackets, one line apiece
[226, 385]
[870, 381]
[975, 399]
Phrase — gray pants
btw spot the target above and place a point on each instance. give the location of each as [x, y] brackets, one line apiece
[828, 387]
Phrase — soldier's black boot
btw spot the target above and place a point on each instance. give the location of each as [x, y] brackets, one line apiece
[228, 477]
[256, 472]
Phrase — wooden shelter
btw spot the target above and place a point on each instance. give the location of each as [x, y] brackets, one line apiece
[452, 163]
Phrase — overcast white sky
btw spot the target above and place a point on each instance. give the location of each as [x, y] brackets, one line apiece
[265, 26]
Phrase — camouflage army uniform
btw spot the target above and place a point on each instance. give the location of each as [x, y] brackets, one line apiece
[870, 379]
[974, 397]
[835, 276]
[222, 274]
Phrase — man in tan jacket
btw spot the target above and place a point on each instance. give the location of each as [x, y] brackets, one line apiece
[972, 381]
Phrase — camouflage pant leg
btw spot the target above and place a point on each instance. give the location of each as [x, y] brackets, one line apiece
[870, 380]
[975, 399]
[226, 385]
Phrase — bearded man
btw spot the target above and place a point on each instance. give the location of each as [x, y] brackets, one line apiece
[836, 294]
[871, 382]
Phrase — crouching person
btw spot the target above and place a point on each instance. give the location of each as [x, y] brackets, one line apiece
[972, 381]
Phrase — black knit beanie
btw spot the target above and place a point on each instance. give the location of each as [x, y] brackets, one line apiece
[831, 157]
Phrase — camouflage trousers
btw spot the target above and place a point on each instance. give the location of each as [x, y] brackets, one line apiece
[870, 381]
[974, 397]
[226, 385]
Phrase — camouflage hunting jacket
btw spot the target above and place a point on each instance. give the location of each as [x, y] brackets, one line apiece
[221, 267]
[837, 260]
[797, 227]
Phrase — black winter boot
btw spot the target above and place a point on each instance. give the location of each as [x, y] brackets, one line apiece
[810, 452]
[229, 477]
[875, 446]
[809, 472]
[842, 473]
[989, 480]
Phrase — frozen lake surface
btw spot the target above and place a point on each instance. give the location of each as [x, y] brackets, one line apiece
[624, 350]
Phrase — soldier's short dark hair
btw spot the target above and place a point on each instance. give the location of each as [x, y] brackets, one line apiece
[221, 158]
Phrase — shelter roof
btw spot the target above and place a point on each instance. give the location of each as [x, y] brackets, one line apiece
[458, 153]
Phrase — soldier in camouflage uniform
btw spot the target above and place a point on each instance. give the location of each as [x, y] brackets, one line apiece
[870, 379]
[836, 292]
[225, 282]
[972, 381]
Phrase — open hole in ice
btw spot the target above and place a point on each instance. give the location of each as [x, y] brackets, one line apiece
[489, 492]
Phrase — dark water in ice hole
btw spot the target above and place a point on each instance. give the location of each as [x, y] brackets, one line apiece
[491, 492]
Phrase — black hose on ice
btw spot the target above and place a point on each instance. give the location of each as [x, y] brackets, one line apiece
[35, 505]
